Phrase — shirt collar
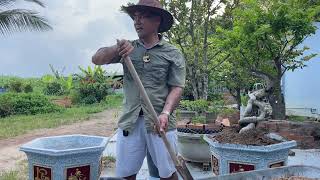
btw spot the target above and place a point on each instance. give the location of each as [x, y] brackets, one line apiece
[159, 43]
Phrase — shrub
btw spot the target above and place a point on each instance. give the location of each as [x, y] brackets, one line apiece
[15, 86]
[199, 119]
[198, 105]
[93, 85]
[228, 111]
[28, 88]
[23, 103]
[114, 100]
[90, 93]
[53, 88]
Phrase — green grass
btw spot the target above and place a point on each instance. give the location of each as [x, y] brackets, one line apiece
[20, 124]
[297, 118]
[20, 173]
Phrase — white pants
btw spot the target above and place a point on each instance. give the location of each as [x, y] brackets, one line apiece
[132, 149]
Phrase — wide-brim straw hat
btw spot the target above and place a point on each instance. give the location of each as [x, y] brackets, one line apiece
[155, 7]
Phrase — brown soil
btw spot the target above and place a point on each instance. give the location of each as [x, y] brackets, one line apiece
[100, 124]
[255, 137]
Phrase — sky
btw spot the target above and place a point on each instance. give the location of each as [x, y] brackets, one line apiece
[302, 87]
[80, 27]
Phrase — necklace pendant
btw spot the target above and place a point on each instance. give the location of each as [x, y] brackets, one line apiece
[146, 58]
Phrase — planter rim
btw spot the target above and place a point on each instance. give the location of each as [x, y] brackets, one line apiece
[31, 148]
[275, 172]
[268, 148]
[190, 135]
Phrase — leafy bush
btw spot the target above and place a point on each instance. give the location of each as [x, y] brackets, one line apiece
[28, 88]
[244, 99]
[57, 85]
[198, 105]
[53, 88]
[199, 119]
[25, 103]
[15, 86]
[94, 85]
[228, 111]
[114, 100]
[93, 92]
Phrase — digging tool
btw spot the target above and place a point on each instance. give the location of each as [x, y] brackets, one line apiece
[178, 161]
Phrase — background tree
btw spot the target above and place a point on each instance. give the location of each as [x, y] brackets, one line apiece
[194, 24]
[266, 37]
[20, 19]
[233, 77]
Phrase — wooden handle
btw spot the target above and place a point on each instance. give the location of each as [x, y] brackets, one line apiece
[181, 169]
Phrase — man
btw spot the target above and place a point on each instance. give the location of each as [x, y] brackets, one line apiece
[161, 68]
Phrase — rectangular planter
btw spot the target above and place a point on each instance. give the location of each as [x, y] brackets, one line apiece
[65, 157]
[233, 158]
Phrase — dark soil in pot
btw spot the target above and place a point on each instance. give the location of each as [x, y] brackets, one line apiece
[254, 137]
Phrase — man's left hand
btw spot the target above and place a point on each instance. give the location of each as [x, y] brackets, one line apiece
[163, 120]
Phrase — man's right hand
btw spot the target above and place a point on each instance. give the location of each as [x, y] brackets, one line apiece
[124, 47]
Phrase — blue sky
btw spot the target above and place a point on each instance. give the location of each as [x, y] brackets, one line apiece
[302, 89]
[80, 27]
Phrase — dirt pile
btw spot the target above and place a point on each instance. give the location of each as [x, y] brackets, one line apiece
[254, 137]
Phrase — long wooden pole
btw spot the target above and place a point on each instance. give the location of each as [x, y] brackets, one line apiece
[180, 165]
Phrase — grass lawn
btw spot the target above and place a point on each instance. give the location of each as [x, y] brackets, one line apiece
[20, 124]
[19, 174]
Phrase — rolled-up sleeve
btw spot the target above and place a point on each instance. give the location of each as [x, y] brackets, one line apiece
[177, 70]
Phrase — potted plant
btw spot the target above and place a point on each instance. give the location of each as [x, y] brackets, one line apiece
[244, 147]
[197, 119]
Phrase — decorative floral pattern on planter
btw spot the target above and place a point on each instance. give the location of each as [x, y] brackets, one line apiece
[215, 164]
[42, 173]
[78, 173]
[235, 167]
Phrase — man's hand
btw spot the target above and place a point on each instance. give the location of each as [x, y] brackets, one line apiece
[124, 47]
[163, 120]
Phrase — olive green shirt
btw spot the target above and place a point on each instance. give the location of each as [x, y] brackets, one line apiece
[159, 68]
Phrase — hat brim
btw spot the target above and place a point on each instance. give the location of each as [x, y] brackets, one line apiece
[166, 17]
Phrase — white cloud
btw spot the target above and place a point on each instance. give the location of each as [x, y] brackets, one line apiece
[80, 28]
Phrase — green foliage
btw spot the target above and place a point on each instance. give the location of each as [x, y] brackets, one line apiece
[15, 86]
[28, 88]
[20, 124]
[27, 84]
[94, 85]
[197, 105]
[23, 103]
[20, 172]
[54, 88]
[195, 25]
[114, 100]
[227, 111]
[57, 84]
[264, 38]
[187, 92]
[244, 99]
[199, 119]
[12, 20]
[297, 118]
[89, 93]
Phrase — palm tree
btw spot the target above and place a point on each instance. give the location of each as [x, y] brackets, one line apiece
[12, 20]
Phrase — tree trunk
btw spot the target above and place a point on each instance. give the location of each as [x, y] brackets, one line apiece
[238, 98]
[193, 80]
[236, 93]
[277, 102]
